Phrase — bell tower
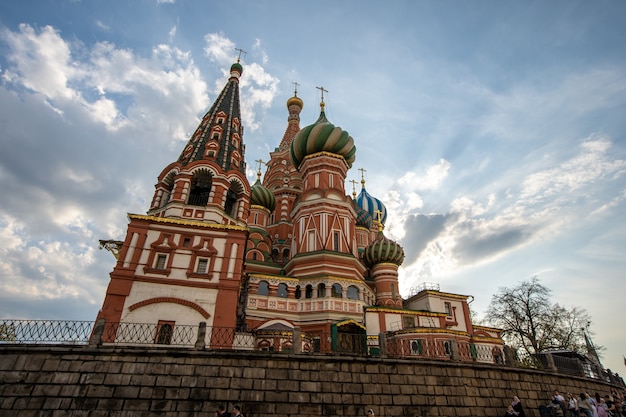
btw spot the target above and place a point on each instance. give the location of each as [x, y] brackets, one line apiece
[182, 263]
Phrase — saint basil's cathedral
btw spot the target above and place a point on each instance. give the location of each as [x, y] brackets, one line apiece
[291, 253]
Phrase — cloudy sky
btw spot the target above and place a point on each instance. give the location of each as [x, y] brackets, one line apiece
[495, 133]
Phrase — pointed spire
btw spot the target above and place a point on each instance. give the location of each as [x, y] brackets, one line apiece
[295, 106]
[219, 135]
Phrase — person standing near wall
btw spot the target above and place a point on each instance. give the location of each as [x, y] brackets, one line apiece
[584, 405]
[572, 405]
[560, 401]
[517, 406]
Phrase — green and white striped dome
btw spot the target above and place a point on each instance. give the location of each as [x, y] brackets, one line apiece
[383, 250]
[261, 196]
[322, 136]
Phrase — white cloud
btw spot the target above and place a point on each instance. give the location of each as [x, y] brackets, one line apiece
[431, 180]
[219, 49]
[102, 25]
[41, 61]
[258, 88]
[166, 83]
[547, 203]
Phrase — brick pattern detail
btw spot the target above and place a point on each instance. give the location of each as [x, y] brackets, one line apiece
[115, 381]
[180, 301]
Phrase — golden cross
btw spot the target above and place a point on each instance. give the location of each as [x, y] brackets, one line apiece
[240, 52]
[353, 189]
[362, 177]
[322, 90]
[258, 174]
[295, 89]
[322, 104]
[379, 216]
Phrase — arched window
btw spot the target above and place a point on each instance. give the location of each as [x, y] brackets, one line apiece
[308, 292]
[298, 292]
[353, 292]
[167, 193]
[200, 189]
[264, 288]
[165, 330]
[231, 199]
[321, 290]
[281, 291]
[336, 291]
[285, 255]
[230, 206]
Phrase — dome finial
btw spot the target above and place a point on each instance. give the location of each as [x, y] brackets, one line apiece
[353, 189]
[295, 88]
[362, 177]
[236, 69]
[378, 220]
[322, 104]
[258, 173]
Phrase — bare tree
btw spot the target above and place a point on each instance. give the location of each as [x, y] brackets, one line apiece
[532, 324]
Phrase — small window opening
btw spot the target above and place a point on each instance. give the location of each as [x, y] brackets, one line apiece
[160, 262]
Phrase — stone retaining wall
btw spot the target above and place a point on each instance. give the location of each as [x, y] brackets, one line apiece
[82, 381]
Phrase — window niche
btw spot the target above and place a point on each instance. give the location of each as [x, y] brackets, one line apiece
[200, 189]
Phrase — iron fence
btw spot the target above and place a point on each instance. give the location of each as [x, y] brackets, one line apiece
[45, 331]
[286, 341]
[149, 333]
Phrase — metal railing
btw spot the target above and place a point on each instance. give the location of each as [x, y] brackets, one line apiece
[45, 331]
[149, 333]
[335, 343]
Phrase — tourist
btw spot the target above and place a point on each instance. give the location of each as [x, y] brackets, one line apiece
[237, 411]
[517, 406]
[594, 405]
[618, 404]
[370, 413]
[221, 412]
[601, 408]
[584, 405]
[572, 405]
[558, 398]
[610, 405]
[510, 412]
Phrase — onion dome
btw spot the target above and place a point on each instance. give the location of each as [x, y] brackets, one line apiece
[383, 250]
[236, 70]
[261, 196]
[372, 205]
[363, 218]
[322, 136]
[295, 101]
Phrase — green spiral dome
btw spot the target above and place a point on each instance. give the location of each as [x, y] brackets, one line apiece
[383, 250]
[322, 136]
[261, 196]
[363, 218]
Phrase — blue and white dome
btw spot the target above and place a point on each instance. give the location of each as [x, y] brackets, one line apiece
[372, 205]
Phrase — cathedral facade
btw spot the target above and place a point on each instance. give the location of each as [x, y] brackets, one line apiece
[291, 253]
